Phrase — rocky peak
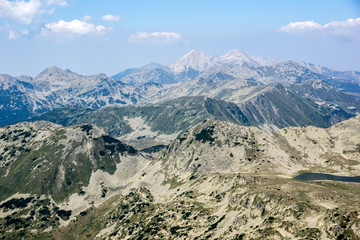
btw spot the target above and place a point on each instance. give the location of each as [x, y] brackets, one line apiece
[54, 75]
[236, 57]
[152, 66]
[194, 59]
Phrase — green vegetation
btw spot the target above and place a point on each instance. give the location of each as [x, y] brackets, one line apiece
[205, 135]
[169, 117]
[59, 165]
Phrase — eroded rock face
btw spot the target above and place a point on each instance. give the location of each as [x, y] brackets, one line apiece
[218, 180]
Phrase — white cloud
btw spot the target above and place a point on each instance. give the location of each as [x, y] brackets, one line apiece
[25, 12]
[12, 35]
[348, 28]
[62, 3]
[301, 26]
[87, 18]
[112, 18]
[73, 28]
[155, 37]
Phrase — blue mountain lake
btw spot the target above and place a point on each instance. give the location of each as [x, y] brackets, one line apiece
[324, 176]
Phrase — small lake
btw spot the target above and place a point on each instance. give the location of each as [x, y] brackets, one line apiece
[324, 176]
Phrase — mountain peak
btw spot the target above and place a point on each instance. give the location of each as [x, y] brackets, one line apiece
[194, 52]
[152, 66]
[236, 57]
[25, 78]
[55, 74]
[52, 69]
[235, 52]
[194, 59]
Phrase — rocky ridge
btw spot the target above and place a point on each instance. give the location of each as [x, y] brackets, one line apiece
[217, 180]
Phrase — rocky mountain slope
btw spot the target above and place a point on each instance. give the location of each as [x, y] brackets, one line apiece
[217, 180]
[44, 158]
[16, 100]
[347, 81]
[145, 126]
[268, 107]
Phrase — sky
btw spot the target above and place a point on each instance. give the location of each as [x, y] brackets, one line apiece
[109, 36]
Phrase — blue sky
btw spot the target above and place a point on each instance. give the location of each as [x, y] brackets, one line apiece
[108, 36]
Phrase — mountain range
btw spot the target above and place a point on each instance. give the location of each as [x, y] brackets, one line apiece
[204, 148]
[234, 77]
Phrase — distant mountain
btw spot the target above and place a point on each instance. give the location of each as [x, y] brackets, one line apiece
[350, 75]
[230, 78]
[148, 67]
[236, 58]
[268, 107]
[18, 100]
[288, 72]
[265, 61]
[191, 64]
[275, 106]
[144, 126]
[63, 88]
[325, 94]
[264, 70]
[159, 75]
[346, 81]
[55, 88]
[124, 73]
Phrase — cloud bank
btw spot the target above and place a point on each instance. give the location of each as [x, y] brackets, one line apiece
[348, 28]
[155, 37]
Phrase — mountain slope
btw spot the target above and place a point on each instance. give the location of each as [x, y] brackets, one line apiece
[217, 180]
[276, 105]
[323, 93]
[270, 106]
[153, 124]
[63, 88]
[18, 100]
[47, 170]
[288, 72]
[266, 106]
[44, 158]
